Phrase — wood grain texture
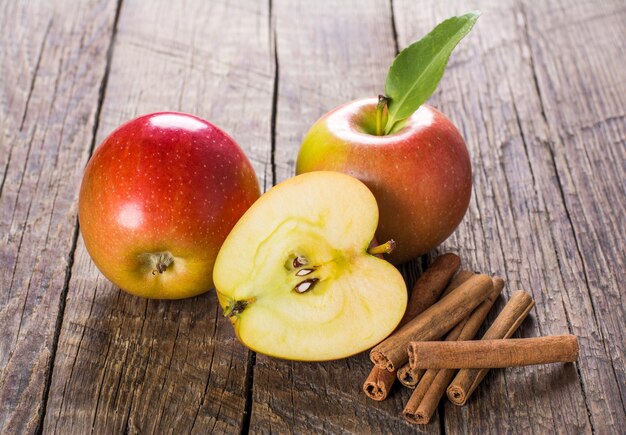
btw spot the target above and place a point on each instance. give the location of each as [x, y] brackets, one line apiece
[328, 53]
[52, 64]
[538, 89]
[126, 364]
[577, 50]
[520, 220]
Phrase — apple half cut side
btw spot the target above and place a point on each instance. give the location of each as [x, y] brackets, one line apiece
[295, 276]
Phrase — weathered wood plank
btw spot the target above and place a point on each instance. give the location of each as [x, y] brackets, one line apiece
[519, 224]
[578, 55]
[52, 64]
[328, 53]
[125, 363]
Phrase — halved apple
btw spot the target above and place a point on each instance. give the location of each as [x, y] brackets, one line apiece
[295, 276]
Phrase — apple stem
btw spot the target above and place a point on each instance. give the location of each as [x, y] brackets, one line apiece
[380, 111]
[385, 248]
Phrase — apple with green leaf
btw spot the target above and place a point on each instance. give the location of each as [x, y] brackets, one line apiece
[296, 275]
[409, 154]
[158, 198]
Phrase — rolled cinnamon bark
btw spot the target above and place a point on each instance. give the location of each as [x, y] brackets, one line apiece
[421, 408]
[507, 322]
[458, 279]
[418, 394]
[426, 291]
[409, 377]
[421, 412]
[378, 383]
[433, 323]
[430, 285]
[494, 353]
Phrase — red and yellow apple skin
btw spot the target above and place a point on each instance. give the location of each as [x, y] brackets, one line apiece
[421, 175]
[158, 198]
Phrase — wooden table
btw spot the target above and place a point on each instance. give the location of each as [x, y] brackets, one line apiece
[538, 90]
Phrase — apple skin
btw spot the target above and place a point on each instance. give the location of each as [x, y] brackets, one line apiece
[163, 183]
[421, 175]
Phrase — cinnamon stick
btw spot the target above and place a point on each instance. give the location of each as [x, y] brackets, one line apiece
[419, 394]
[494, 353]
[425, 292]
[421, 409]
[433, 323]
[458, 279]
[422, 404]
[409, 377]
[406, 375]
[507, 322]
[378, 383]
[430, 284]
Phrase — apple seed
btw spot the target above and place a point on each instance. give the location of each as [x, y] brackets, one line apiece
[304, 272]
[306, 285]
[300, 261]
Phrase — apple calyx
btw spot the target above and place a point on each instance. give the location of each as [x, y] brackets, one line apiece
[234, 308]
[385, 248]
[157, 262]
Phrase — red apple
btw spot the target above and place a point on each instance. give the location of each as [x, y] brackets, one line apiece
[421, 175]
[158, 198]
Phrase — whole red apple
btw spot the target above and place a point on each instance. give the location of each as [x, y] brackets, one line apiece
[421, 175]
[158, 198]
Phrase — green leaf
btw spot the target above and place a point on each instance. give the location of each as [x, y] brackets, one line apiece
[417, 70]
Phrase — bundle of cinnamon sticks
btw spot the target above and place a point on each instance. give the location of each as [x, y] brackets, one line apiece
[452, 306]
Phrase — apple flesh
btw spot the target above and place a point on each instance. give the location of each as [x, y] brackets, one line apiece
[421, 175]
[158, 198]
[295, 276]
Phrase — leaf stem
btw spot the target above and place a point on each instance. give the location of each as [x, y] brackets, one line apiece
[380, 111]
